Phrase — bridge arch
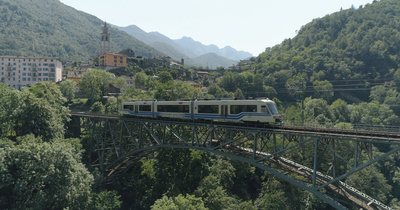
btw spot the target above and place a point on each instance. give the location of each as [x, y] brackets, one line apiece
[118, 163]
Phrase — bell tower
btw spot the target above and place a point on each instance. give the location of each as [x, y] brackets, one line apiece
[105, 40]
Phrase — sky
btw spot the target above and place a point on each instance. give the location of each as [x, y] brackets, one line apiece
[250, 25]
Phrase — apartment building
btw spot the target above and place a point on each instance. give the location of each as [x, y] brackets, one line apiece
[109, 59]
[20, 71]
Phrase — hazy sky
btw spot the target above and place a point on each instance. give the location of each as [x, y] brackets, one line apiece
[250, 25]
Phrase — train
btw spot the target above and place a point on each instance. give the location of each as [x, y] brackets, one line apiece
[229, 110]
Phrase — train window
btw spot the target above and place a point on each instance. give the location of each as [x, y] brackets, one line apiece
[145, 108]
[173, 108]
[236, 109]
[272, 107]
[212, 109]
[264, 109]
[129, 107]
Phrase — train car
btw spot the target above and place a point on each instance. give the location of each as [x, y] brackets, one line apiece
[262, 110]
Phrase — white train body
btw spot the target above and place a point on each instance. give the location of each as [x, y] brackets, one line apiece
[262, 110]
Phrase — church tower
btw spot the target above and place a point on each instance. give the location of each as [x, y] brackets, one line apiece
[105, 40]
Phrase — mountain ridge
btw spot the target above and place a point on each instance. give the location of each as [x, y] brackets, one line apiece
[51, 28]
[187, 47]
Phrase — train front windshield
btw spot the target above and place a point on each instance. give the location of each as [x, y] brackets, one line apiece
[272, 108]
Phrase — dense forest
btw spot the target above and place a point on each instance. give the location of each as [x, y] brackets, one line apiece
[340, 71]
[50, 28]
[352, 49]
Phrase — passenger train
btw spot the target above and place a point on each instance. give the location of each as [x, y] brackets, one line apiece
[260, 110]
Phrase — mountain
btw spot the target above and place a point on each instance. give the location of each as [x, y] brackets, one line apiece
[50, 28]
[187, 48]
[199, 49]
[213, 60]
[356, 46]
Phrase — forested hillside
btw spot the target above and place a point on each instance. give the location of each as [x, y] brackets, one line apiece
[50, 28]
[358, 45]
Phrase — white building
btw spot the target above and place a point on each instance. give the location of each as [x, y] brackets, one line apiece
[19, 71]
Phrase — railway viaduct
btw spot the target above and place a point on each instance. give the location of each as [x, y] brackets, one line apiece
[117, 141]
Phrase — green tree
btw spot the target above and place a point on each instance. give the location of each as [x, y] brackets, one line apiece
[137, 94]
[228, 81]
[270, 92]
[165, 77]
[217, 92]
[214, 195]
[372, 114]
[297, 85]
[317, 110]
[40, 111]
[38, 117]
[140, 80]
[378, 93]
[11, 104]
[323, 89]
[371, 182]
[97, 107]
[340, 111]
[397, 76]
[239, 94]
[177, 90]
[106, 200]
[214, 188]
[272, 196]
[180, 202]
[68, 88]
[177, 171]
[121, 84]
[95, 84]
[111, 105]
[43, 175]
[50, 92]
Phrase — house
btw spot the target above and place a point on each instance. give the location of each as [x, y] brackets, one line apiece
[114, 60]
